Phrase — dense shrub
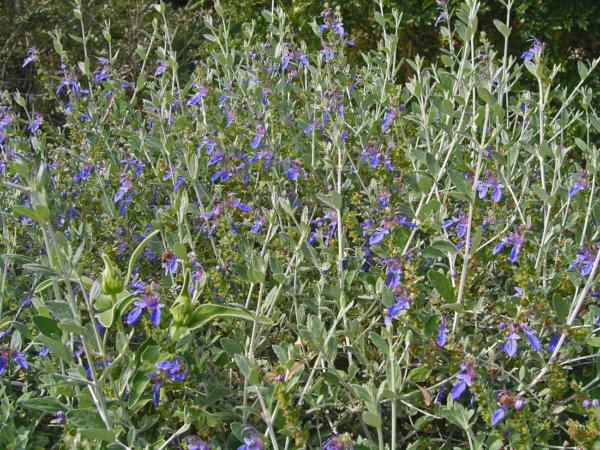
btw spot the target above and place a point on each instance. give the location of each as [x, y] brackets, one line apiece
[293, 251]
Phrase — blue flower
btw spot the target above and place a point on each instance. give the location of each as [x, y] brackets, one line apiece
[530, 333]
[260, 133]
[383, 198]
[388, 118]
[440, 395]
[465, 379]
[515, 240]
[32, 55]
[293, 172]
[402, 303]
[258, 223]
[579, 185]
[252, 441]
[170, 262]
[310, 127]
[103, 73]
[151, 301]
[584, 260]
[195, 443]
[161, 68]
[491, 182]
[535, 49]
[378, 236]
[554, 339]
[394, 269]
[234, 201]
[443, 12]
[337, 442]
[231, 115]
[35, 123]
[460, 222]
[325, 227]
[498, 415]
[510, 346]
[126, 184]
[174, 369]
[441, 338]
[198, 96]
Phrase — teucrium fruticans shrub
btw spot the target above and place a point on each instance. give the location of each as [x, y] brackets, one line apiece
[289, 251]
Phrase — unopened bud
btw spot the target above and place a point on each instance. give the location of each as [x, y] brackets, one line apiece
[112, 278]
[182, 307]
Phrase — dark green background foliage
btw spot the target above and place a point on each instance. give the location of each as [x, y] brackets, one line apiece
[569, 28]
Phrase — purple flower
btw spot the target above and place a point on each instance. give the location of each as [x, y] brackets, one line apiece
[150, 300]
[443, 12]
[325, 227]
[174, 370]
[252, 441]
[383, 198]
[440, 395]
[402, 220]
[465, 379]
[515, 240]
[553, 342]
[258, 223]
[461, 223]
[60, 418]
[310, 127]
[373, 156]
[32, 55]
[234, 201]
[402, 303]
[265, 92]
[530, 333]
[535, 49]
[198, 96]
[293, 171]
[337, 442]
[161, 68]
[83, 174]
[441, 333]
[388, 118]
[327, 53]
[44, 351]
[519, 292]
[498, 415]
[170, 262]
[195, 443]
[35, 123]
[124, 203]
[20, 359]
[584, 260]
[260, 133]
[510, 346]
[231, 114]
[579, 185]
[103, 73]
[491, 182]
[126, 184]
[378, 236]
[394, 269]
[519, 402]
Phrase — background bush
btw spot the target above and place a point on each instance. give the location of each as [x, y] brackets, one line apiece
[301, 239]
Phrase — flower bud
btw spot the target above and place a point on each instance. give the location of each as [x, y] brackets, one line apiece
[112, 278]
[182, 307]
